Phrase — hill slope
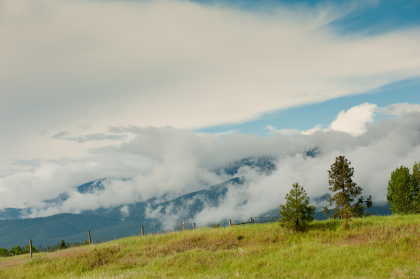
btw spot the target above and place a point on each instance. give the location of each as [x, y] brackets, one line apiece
[374, 247]
[111, 224]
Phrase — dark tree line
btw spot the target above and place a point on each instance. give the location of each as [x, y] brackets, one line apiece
[18, 250]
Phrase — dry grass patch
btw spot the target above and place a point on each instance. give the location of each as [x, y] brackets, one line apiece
[374, 247]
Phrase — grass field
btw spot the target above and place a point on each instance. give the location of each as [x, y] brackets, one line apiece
[374, 247]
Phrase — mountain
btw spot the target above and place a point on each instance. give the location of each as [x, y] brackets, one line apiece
[113, 224]
[261, 164]
[110, 223]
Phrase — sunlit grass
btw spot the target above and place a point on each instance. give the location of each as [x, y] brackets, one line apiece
[374, 247]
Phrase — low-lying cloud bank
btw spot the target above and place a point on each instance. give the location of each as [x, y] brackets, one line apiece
[164, 162]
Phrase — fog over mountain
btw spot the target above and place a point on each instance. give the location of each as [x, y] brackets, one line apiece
[163, 163]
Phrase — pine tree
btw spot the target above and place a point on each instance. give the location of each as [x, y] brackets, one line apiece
[403, 190]
[62, 245]
[52, 249]
[341, 183]
[297, 212]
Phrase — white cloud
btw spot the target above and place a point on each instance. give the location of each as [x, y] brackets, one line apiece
[125, 211]
[167, 162]
[312, 130]
[174, 63]
[220, 134]
[273, 130]
[353, 121]
[401, 109]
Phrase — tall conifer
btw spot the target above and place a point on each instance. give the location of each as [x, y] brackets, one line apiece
[345, 190]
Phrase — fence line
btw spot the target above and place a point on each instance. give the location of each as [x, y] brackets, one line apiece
[251, 221]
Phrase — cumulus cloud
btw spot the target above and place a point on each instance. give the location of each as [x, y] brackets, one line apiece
[165, 162]
[353, 121]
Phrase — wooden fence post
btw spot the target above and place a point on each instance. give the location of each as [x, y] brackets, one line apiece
[90, 239]
[250, 220]
[30, 247]
[230, 223]
[194, 225]
[142, 231]
[182, 225]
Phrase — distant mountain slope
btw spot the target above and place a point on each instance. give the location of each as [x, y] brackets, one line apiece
[103, 226]
[112, 224]
[17, 213]
[261, 164]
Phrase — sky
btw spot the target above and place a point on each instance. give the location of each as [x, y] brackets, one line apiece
[162, 93]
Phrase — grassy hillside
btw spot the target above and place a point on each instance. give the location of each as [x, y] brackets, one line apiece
[374, 247]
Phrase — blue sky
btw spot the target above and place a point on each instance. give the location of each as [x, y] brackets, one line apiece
[308, 116]
[376, 18]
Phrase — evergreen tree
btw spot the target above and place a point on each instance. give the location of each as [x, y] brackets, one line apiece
[403, 190]
[52, 249]
[297, 212]
[62, 245]
[345, 190]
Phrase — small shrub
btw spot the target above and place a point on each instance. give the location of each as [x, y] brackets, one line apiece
[213, 226]
[239, 237]
[3, 252]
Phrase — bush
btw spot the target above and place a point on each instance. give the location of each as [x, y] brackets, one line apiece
[17, 250]
[3, 252]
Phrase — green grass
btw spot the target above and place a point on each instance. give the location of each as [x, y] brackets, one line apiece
[374, 247]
